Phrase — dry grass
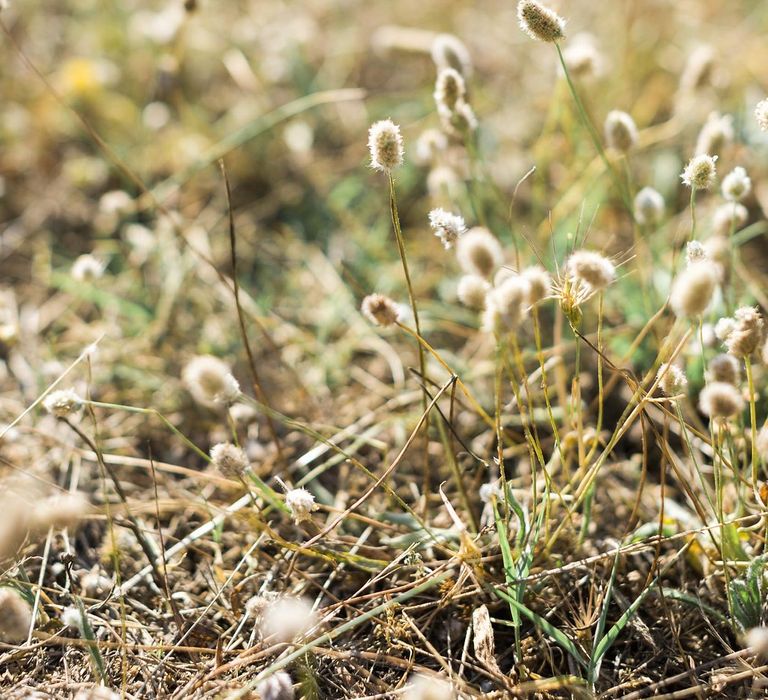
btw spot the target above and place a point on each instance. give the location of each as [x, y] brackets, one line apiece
[622, 554]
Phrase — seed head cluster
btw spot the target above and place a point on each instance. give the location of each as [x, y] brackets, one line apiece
[672, 379]
[301, 503]
[229, 459]
[210, 381]
[694, 288]
[747, 334]
[736, 185]
[761, 114]
[648, 206]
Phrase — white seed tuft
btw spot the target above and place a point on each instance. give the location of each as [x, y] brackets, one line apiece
[540, 22]
[210, 381]
[721, 400]
[229, 459]
[385, 145]
[736, 185]
[447, 227]
[380, 310]
[649, 206]
[620, 131]
[693, 288]
[591, 269]
[301, 503]
[700, 173]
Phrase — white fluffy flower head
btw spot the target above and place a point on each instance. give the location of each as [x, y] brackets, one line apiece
[447, 227]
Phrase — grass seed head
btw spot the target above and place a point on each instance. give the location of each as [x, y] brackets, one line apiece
[748, 334]
[505, 306]
[450, 88]
[757, 641]
[700, 173]
[761, 114]
[716, 133]
[479, 252]
[620, 131]
[430, 145]
[448, 51]
[278, 686]
[729, 217]
[693, 288]
[60, 512]
[427, 687]
[87, 268]
[721, 400]
[301, 503]
[673, 380]
[539, 284]
[386, 146]
[472, 291]
[443, 181]
[736, 185]
[447, 227]
[15, 617]
[229, 459]
[63, 403]
[649, 206]
[380, 310]
[724, 368]
[540, 22]
[582, 58]
[694, 253]
[591, 269]
[698, 69]
[286, 619]
[210, 381]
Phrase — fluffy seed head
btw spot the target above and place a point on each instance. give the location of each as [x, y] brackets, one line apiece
[620, 131]
[748, 334]
[505, 306]
[430, 144]
[672, 379]
[581, 56]
[97, 692]
[61, 511]
[386, 146]
[15, 617]
[736, 185]
[720, 400]
[450, 88]
[694, 252]
[278, 686]
[71, 617]
[380, 310]
[698, 69]
[693, 288]
[591, 268]
[286, 619]
[539, 284]
[700, 172]
[762, 443]
[229, 459]
[443, 181]
[724, 368]
[301, 503]
[729, 217]
[540, 22]
[423, 687]
[63, 403]
[724, 327]
[460, 120]
[210, 381]
[472, 291]
[447, 227]
[715, 134]
[479, 252]
[718, 250]
[448, 51]
[87, 268]
[761, 114]
[649, 206]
